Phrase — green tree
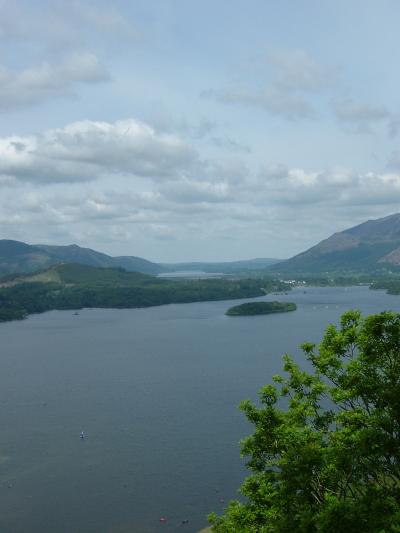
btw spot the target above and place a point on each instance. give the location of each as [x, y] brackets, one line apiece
[325, 453]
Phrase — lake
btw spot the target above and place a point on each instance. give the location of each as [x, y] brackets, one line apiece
[191, 274]
[156, 392]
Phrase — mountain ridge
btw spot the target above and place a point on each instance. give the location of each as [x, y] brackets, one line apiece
[225, 267]
[371, 245]
[19, 257]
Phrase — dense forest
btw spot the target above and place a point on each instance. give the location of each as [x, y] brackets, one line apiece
[261, 308]
[392, 286]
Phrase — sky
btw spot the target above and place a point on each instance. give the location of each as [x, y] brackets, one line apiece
[179, 130]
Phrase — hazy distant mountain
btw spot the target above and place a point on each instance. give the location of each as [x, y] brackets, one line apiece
[86, 256]
[225, 267]
[372, 245]
[18, 257]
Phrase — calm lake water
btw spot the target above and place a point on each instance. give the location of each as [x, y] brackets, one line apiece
[156, 392]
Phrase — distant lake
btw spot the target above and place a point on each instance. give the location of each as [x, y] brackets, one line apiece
[156, 392]
[191, 274]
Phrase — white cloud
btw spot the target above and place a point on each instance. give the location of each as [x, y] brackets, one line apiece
[87, 150]
[127, 182]
[166, 171]
[38, 83]
[196, 191]
[331, 188]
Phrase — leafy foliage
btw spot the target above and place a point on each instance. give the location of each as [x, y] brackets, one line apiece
[261, 308]
[329, 461]
[392, 286]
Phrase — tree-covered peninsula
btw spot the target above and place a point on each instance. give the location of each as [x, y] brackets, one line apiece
[75, 286]
[261, 308]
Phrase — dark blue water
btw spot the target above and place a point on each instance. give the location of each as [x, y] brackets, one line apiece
[156, 392]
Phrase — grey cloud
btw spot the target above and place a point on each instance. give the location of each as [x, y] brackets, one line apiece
[297, 71]
[202, 130]
[196, 130]
[231, 170]
[275, 101]
[393, 125]
[71, 23]
[168, 173]
[211, 208]
[103, 18]
[192, 191]
[230, 144]
[160, 232]
[293, 76]
[333, 188]
[394, 161]
[124, 146]
[37, 84]
[163, 189]
[363, 117]
[274, 172]
[349, 110]
[87, 150]
[18, 146]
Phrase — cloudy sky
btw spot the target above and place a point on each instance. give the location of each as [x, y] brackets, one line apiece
[182, 130]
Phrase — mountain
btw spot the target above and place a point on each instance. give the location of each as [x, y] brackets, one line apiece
[19, 257]
[86, 256]
[370, 246]
[224, 267]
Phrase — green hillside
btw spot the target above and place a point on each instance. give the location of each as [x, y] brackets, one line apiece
[77, 274]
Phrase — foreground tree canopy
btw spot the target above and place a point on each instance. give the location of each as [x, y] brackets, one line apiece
[325, 453]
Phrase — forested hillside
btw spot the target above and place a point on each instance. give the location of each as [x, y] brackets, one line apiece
[71, 286]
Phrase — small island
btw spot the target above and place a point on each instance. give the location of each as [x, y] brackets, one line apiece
[261, 308]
